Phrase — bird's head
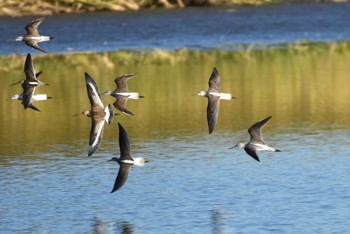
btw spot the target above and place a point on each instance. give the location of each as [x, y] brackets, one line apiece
[115, 159]
[202, 93]
[239, 145]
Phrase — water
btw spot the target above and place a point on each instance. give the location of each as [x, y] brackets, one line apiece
[193, 28]
[193, 182]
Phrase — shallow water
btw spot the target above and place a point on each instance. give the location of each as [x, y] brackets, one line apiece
[193, 182]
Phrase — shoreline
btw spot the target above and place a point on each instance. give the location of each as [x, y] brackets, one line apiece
[18, 8]
[160, 56]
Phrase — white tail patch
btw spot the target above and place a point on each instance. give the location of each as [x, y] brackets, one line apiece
[139, 162]
[40, 38]
[131, 95]
[35, 97]
[225, 96]
[39, 97]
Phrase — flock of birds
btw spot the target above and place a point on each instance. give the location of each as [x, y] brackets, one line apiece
[100, 114]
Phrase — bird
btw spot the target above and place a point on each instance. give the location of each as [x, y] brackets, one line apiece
[256, 142]
[37, 76]
[32, 38]
[35, 97]
[125, 161]
[214, 95]
[98, 114]
[29, 84]
[122, 94]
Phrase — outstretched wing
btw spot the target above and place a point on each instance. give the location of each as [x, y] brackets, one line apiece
[212, 111]
[28, 91]
[96, 134]
[122, 176]
[124, 144]
[92, 90]
[255, 130]
[32, 27]
[252, 152]
[29, 70]
[120, 104]
[121, 82]
[34, 44]
[214, 82]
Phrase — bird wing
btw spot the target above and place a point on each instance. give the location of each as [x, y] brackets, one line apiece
[34, 44]
[32, 27]
[122, 176]
[120, 104]
[124, 144]
[33, 107]
[29, 68]
[28, 91]
[214, 82]
[92, 90]
[212, 111]
[255, 131]
[96, 134]
[252, 152]
[121, 82]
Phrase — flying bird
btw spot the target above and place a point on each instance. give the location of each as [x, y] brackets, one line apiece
[122, 94]
[214, 95]
[33, 38]
[256, 142]
[98, 114]
[29, 84]
[125, 161]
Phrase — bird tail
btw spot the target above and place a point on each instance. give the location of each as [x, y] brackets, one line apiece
[40, 97]
[277, 150]
[109, 114]
[225, 96]
[140, 162]
[134, 95]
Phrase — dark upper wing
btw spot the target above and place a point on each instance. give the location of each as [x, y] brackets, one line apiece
[121, 82]
[124, 144]
[120, 104]
[214, 81]
[255, 130]
[32, 27]
[252, 153]
[29, 68]
[212, 111]
[96, 134]
[122, 176]
[92, 90]
[28, 91]
[33, 107]
[34, 44]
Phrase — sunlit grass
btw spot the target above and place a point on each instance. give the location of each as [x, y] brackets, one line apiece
[158, 56]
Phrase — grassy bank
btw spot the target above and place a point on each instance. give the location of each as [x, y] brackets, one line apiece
[49, 7]
[122, 57]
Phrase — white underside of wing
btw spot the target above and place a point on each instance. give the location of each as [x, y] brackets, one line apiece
[99, 128]
[96, 95]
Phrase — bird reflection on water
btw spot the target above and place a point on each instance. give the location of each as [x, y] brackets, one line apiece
[101, 227]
